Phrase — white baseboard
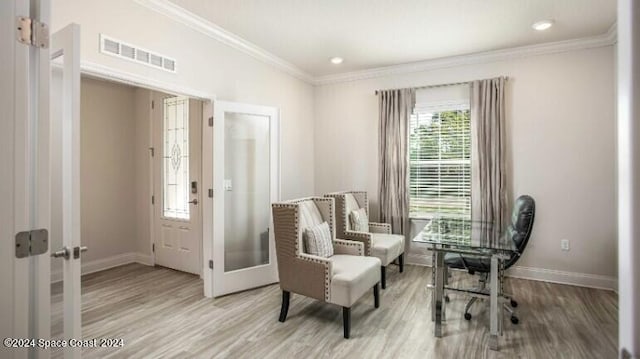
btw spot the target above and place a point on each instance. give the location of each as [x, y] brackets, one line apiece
[563, 277]
[146, 259]
[540, 274]
[106, 263]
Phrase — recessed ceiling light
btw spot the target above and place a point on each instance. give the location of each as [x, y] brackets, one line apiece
[542, 25]
[336, 60]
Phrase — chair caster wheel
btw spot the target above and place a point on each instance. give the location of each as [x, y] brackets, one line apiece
[514, 303]
[467, 316]
[514, 319]
[446, 299]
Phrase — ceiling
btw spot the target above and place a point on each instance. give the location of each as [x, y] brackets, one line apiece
[375, 33]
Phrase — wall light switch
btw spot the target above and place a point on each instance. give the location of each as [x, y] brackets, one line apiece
[227, 185]
[564, 244]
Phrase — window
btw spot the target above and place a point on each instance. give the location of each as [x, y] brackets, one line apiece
[176, 158]
[440, 162]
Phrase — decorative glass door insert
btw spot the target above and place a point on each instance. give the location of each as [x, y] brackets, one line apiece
[176, 158]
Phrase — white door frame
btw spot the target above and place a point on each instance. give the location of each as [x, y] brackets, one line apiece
[628, 57]
[24, 180]
[112, 74]
[246, 278]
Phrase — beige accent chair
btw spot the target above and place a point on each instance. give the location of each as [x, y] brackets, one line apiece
[340, 279]
[379, 242]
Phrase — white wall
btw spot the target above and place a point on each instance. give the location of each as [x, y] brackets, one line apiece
[206, 65]
[107, 173]
[107, 169]
[561, 132]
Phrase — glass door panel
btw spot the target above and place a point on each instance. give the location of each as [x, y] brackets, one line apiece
[246, 191]
[176, 158]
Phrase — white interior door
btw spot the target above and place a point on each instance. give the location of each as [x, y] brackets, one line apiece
[246, 181]
[66, 247]
[177, 185]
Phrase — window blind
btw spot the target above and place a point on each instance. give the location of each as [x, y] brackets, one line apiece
[440, 161]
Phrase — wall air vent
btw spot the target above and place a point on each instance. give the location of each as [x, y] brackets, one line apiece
[117, 48]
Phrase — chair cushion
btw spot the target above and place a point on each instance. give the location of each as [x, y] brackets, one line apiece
[473, 263]
[387, 247]
[359, 220]
[352, 276]
[317, 240]
[309, 215]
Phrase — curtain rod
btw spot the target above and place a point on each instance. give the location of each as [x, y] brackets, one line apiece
[439, 85]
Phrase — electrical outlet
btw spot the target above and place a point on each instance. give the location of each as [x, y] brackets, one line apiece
[564, 244]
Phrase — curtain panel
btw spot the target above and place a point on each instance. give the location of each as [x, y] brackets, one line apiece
[394, 108]
[489, 200]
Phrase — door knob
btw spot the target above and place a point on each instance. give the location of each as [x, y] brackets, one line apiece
[194, 201]
[65, 253]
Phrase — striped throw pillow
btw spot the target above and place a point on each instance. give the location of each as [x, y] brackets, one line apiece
[359, 220]
[318, 241]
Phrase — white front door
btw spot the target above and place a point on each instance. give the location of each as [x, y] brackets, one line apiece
[65, 155]
[177, 187]
[246, 164]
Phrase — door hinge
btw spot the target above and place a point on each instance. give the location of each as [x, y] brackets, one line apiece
[153, 199]
[32, 243]
[153, 247]
[153, 151]
[210, 192]
[211, 121]
[210, 264]
[32, 32]
[153, 104]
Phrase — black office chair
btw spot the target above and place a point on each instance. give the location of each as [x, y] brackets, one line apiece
[519, 230]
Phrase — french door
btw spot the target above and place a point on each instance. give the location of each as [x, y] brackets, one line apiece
[24, 176]
[66, 249]
[27, 141]
[246, 181]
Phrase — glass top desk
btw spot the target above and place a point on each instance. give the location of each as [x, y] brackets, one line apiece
[470, 237]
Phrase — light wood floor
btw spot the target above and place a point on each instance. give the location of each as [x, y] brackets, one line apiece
[162, 313]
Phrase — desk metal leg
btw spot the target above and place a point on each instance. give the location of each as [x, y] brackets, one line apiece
[438, 293]
[433, 286]
[495, 310]
[445, 280]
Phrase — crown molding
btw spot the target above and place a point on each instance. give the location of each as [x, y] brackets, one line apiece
[179, 14]
[607, 39]
[214, 31]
